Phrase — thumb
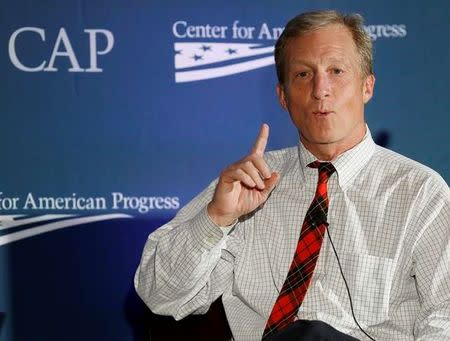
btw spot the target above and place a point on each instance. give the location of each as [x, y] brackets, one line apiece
[271, 182]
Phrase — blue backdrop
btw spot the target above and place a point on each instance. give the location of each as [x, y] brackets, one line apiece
[116, 113]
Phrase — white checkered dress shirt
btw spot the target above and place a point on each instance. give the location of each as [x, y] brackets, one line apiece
[389, 220]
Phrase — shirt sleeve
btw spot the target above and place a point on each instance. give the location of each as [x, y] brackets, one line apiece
[183, 269]
[431, 257]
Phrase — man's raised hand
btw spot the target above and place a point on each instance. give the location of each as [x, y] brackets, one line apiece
[244, 185]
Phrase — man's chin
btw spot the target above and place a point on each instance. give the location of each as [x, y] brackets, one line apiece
[320, 140]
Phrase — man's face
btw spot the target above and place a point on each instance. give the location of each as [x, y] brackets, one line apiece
[324, 90]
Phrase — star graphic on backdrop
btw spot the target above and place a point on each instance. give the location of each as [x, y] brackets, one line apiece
[196, 57]
[205, 48]
[231, 51]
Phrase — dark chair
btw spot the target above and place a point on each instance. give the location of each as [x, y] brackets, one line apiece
[211, 326]
[2, 317]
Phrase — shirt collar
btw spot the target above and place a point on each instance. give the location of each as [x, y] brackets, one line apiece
[347, 165]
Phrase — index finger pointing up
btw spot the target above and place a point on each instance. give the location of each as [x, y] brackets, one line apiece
[261, 141]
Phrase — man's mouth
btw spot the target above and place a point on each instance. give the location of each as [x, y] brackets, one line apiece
[322, 113]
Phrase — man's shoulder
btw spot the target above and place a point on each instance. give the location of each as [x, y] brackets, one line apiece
[396, 167]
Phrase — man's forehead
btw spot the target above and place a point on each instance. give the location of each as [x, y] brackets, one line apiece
[332, 59]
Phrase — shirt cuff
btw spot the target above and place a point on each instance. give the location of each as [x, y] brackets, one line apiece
[206, 232]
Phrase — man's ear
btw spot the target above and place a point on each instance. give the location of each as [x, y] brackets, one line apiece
[282, 96]
[368, 86]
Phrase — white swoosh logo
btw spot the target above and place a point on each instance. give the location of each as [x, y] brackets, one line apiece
[7, 222]
[34, 231]
[195, 75]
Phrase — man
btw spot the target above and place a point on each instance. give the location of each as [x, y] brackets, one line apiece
[337, 202]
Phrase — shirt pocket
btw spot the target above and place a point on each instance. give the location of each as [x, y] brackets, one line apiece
[370, 281]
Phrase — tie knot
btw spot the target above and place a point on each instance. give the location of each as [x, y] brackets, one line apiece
[325, 170]
[324, 167]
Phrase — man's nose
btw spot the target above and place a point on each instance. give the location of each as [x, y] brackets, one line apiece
[321, 86]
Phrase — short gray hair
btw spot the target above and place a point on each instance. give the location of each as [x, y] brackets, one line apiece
[310, 21]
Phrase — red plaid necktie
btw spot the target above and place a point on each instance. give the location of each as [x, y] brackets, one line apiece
[300, 273]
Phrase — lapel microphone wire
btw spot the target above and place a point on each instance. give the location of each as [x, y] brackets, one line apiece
[346, 285]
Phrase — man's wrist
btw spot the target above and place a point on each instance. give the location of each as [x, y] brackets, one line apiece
[219, 219]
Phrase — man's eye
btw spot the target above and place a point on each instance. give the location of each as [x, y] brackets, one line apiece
[337, 71]
[302, 74]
